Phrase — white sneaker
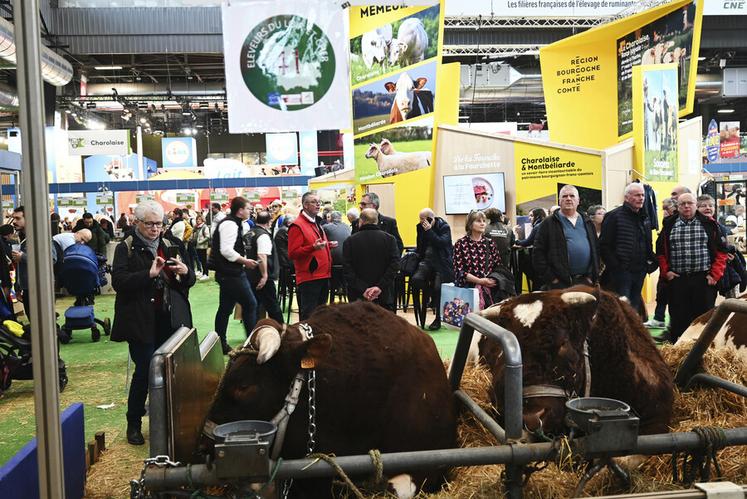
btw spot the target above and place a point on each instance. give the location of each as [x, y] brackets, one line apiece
[204, 277]
[653, 323]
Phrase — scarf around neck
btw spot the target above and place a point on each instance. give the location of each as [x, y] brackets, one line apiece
[152, 245]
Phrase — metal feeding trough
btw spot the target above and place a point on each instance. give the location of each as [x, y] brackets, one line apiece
[608, 428]
[242, 449]
[607, 424]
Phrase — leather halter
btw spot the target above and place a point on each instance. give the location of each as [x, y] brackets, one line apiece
[557, 391]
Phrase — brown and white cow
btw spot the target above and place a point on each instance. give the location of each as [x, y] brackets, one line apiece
[380, 384]
[411, 99]
[551, 328]
[732, 334]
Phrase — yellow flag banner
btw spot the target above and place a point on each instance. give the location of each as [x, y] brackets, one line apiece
[587, 78]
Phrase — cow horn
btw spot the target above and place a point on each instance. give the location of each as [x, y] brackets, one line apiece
[492, 312]
[266, 339]
[577, 297]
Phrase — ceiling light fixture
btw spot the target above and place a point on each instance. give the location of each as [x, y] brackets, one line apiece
[107, 68]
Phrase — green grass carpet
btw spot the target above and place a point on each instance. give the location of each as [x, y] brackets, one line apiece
[97, 373]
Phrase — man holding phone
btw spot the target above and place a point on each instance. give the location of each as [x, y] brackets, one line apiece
[435, 266]
[229, 257]
[309, 249]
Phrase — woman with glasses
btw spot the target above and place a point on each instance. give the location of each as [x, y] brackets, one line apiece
[476, 257]
[152, 284]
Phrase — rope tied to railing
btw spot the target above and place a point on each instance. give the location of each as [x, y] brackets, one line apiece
[696, 465]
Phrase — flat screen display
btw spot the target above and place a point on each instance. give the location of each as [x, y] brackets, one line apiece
[464, 193]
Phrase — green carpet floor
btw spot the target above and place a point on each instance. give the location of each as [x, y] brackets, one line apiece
[97, 373]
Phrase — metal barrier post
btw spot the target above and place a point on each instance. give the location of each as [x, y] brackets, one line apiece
[512, 408]
[720, 314]
[39, 250]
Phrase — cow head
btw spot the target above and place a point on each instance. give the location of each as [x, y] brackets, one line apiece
[373, 151]
[551, 328]
[373, 48]
[386, 146]
[404, 91]
[395, 50]
[258, 377]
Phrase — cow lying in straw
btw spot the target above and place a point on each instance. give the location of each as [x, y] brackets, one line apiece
[554, 329]
[380, 384]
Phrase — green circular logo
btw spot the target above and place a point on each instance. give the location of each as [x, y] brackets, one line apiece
[287, 62]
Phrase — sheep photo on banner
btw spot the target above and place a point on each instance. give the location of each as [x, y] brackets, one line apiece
[394, 63]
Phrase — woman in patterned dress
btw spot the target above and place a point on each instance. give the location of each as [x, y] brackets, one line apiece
[476, 257]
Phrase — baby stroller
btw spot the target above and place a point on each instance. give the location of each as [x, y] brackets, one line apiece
[82, 273]
[15, 352]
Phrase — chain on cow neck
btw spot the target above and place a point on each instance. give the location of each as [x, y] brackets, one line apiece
[311, 386]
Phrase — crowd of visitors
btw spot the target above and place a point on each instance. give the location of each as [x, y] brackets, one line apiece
[257, 253]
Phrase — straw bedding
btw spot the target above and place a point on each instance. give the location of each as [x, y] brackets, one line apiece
[701, 407]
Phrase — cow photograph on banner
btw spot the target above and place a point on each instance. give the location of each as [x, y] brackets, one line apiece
[394, 63]
[668, 40]
[286, 66]
[655, 97]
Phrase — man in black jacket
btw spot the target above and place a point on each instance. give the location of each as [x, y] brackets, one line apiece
[565, 249]
[387, 224]
[370, 261]
[151, 303]
[436, 265]
[99, 238]
[625, 246]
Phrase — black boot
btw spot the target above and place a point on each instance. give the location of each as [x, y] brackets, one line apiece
[225, 346]
[436, 324]
[134, 435]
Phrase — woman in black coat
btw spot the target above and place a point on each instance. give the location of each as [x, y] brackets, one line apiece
[152, 285]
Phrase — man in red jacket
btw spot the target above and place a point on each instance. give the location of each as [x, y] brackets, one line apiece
[309, 249]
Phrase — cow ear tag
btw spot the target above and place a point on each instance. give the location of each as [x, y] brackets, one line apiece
[308, 363]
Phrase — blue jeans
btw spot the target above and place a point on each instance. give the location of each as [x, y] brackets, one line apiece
[628, 284]
[233, 290]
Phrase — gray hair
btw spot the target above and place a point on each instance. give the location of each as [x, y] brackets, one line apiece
[353, 212]
[336, 216]
[288, 220]
[374, 198]
[593, 209]
[148, 206]
[630, 186]
[568, 187]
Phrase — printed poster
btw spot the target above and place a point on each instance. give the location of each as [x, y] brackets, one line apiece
[712, 142]
[729, 139]
[286, 66]
[667, 40]
[655, 121]
[394, 63]
[456, 303]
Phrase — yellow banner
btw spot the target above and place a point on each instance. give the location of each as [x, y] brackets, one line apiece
[542, 170]
[587, 77]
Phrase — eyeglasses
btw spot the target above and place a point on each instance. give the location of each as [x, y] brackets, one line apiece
[363, 203]
[317, 202]
[152, 225]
